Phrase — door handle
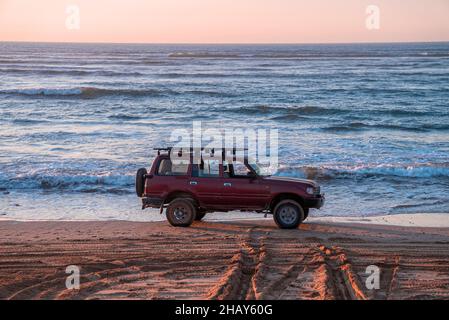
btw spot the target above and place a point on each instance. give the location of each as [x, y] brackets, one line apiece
[193, 183]
[227, 184]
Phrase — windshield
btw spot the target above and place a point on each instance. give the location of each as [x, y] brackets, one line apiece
[264, 172]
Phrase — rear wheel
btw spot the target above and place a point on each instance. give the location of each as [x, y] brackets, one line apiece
[288, 214]
[181, 213]
[140, 181]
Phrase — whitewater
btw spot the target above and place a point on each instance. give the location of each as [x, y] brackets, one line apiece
[369, 122]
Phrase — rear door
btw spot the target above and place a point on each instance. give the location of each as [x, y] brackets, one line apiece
[206, 183]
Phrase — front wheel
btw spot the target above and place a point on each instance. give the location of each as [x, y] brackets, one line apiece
[181, 213]
[288, 214]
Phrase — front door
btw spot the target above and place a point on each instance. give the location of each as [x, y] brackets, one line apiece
[241, 190]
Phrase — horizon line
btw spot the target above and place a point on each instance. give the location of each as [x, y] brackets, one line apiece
[224, 43]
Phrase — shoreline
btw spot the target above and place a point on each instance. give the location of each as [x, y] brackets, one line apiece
[430, 220]
[222, 260]
[426, 220]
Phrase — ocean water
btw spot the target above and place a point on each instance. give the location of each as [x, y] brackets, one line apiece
[369, 122]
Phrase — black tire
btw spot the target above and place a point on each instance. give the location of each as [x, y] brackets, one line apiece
[140, 181]
[288, 214]
[181, 212]
[200, 214]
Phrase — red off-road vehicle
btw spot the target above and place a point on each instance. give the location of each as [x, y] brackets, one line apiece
[190, 190]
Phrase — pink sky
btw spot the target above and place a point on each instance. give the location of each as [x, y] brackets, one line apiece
[224, 21]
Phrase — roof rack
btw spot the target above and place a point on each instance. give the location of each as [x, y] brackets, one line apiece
[168, 149]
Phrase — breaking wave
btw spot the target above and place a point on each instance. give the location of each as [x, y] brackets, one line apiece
[203, 55]
[69, 72]
[94, 92]
[83, 92]
[123, 183]
[296, 110]
[414, 127]
[384, 171]
[305, 54]
[124, 117]
[76, 183]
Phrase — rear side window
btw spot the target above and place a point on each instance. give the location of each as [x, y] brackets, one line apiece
[169, 168]
[208, 168]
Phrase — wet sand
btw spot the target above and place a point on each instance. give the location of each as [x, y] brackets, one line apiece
[218, 260]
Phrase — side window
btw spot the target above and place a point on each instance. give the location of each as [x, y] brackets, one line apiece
[169, 168]
[240, 169]
[208, 168]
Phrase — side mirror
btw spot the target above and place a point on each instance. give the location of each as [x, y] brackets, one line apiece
[252, 175]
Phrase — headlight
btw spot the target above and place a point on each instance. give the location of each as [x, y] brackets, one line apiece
[313, 190]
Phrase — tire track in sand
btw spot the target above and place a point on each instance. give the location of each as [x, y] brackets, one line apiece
[341, 281]
[221, 261]
[239, 281]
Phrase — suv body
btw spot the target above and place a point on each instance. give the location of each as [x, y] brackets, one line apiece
[227, 187]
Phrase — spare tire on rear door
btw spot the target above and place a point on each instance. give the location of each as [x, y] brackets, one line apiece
[140, 181]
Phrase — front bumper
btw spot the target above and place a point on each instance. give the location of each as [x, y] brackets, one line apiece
[315, 202]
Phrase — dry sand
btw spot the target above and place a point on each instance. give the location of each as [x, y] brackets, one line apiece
[218, 260]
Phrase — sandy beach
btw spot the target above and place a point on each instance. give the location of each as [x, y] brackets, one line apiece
[222, 260]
